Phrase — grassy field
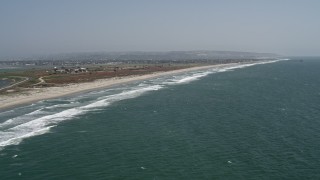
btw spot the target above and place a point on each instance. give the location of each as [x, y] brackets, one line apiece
[45, 77]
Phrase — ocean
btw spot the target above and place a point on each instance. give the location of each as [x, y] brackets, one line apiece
[256, 121]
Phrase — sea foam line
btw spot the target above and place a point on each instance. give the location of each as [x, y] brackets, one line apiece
[41, 125]
[16, 134]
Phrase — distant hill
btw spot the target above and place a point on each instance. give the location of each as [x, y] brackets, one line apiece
[190, 55]
[165, 55]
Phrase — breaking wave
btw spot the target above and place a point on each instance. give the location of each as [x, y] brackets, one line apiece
[48, 114]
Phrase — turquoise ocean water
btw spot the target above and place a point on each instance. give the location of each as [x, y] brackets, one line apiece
[240, 122]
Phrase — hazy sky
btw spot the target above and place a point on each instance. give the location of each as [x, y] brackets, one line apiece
[288, 27]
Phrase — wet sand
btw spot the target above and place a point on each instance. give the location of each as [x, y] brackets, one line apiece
[32, 95]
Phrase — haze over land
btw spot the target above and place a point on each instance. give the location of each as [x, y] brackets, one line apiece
[159, 89]
[50, 27]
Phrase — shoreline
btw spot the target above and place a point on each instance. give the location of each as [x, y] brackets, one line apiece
[38, 94]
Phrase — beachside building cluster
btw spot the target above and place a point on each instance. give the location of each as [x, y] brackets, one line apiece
[64, 70]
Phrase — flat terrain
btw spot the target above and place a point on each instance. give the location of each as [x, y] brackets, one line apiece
[57, 76]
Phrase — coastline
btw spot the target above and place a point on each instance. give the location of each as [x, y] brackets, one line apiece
[38, 94]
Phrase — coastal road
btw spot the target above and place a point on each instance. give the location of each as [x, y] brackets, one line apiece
[42, 81]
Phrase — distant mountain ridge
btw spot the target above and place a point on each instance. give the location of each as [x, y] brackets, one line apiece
[193, 55]
[156, 55]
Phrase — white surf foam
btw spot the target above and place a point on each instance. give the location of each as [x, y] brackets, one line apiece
[34, 114]
[21, 119]
[35, 127]
[70, 104]
[189, 77]
[17, 139]
[40, 125]
[16, 134]
[183, 79]
[106, 100]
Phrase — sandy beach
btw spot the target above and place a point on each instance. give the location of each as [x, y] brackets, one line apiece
[37, 94]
